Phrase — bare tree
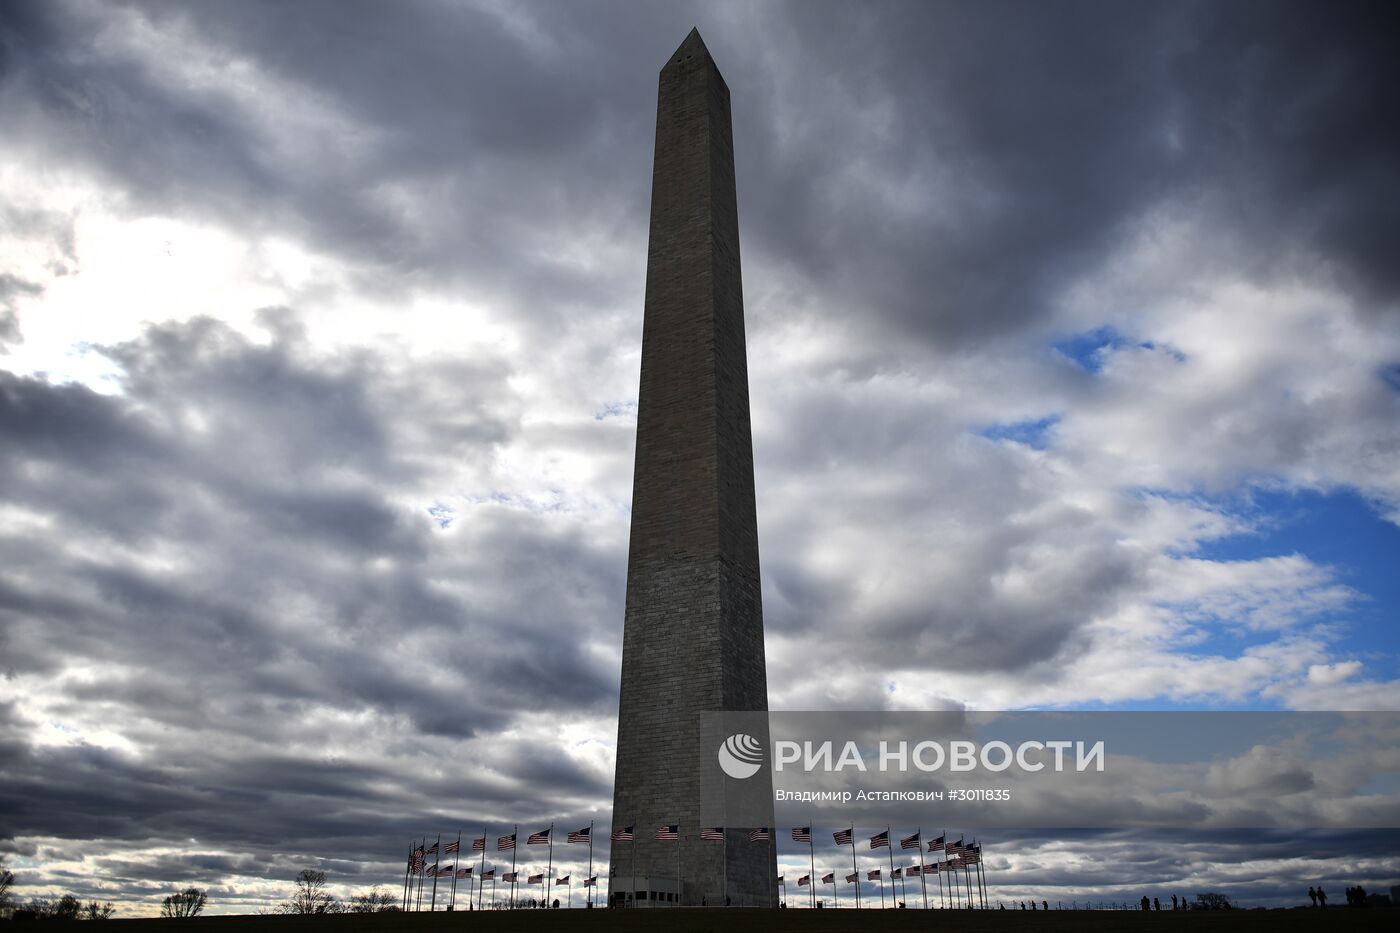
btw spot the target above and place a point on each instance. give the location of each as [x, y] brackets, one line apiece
[311, 896]
[375, 902]
[96, 911]
[186, 903]
[1212, 901]
[7, 881]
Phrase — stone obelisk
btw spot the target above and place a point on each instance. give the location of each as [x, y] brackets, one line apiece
[693, 633]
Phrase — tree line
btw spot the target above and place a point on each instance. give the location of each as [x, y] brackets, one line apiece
[309, 895]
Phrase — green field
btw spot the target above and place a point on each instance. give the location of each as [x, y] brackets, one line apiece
[684, 920]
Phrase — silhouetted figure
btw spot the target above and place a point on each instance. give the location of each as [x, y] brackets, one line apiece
[1156, 904]
[1173, 902]
[1321, 897]
[1023, 905]
[1146, 904]
[1045, 905]
[1312, 895]
[1000, 906]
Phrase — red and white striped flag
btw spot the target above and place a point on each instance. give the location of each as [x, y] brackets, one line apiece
[804, 881]
[843, 836]
[910, 842]
[802, 834]
[590, 882]
[880, 840]
[873, 875]
[505, 842]
[912, 871]
[760, 835]
[897, 873]
[489, 875]
[535, 879]
[454, 846]
[622, 835]
[669, 833]
[431, 850]
[712, 833]
[853, 877]
[581, 835]
[464, 872]
[510, 877]
[936, 845]
[829, 878]
[479, 844]
[563, 880]
[539, 838]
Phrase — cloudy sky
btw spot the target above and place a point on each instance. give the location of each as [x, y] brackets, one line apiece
[1074, 337]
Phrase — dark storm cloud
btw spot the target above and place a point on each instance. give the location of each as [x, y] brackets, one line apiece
[950, 183]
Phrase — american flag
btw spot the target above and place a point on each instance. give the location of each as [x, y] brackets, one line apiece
[912, 871]
[873, 875]
[505, 842]
[910, 842]
[563, 880]
[897, 873]
[760, 835]
[802, 834]
[590, 882]
[479, 844]
[781, 881]
[713, 833]
[431, 850]
[446, 871]
[430, 870]
[464, 872]
[452, 847]
[937, 867]
[510, 876]
[957, 847]
[539, 838]
[535, 879]
[583, 835]
[853, 877]
[489, 875]
[804, 881]
[622, 835]
[669, 833]
[829, 878]
[936, 845]
[880, 840]
[843, 836]
[971, 859]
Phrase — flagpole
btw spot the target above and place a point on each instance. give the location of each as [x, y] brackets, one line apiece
[455, 863]
[422, 866]
[853, 864]
[680, 885]
[406, 871]
[632, 848]
[481, 882]
[590, 866]
[550, 871]
[437, 866]
[889, 834]
[514, 847]
[812, 854]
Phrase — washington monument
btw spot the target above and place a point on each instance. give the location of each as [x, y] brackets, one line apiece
[693, 633]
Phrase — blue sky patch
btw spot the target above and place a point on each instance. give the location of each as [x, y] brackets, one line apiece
[1033, 433]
